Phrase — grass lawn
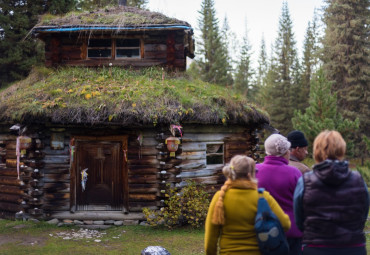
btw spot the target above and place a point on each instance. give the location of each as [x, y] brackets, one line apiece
[17, 237]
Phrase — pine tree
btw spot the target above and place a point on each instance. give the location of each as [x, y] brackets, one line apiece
[322, 111]
[244, 72]
[212, 52]
[346, 57]
[283, 75]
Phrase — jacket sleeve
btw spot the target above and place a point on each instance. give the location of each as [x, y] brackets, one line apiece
[298, 204]
[275, 207]
[212, 232]
[367, 204]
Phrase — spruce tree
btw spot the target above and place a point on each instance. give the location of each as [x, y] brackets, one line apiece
[310, 62]
[211, 50]
[244, 71]
[322, 111]
[19, 51]
[346, 57]
[283, 75]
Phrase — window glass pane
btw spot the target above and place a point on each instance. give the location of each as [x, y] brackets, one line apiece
[99, 53]
[127, 53]
[216, 159]
[127, 42]
[100, 43]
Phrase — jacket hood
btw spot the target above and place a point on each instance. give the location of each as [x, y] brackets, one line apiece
[332, 172]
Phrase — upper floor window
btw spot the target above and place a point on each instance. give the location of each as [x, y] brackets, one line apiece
[99, 48]
[127, 48]
[113, 48]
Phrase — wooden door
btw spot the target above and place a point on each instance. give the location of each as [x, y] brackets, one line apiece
[106, 185]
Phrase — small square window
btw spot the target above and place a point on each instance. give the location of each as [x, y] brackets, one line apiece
[215, 153]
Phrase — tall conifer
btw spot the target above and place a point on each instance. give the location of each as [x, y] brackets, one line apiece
[283, 75]
[211, 50]
[244, 72]
[347, 59]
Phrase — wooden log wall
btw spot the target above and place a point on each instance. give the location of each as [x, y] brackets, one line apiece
[44, 185]
[164, 48]
[21, 194]
[195, 142]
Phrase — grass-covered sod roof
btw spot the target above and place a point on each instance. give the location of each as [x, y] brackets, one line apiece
[76, 95]
[109, 16]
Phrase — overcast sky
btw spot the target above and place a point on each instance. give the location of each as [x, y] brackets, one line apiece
[261, 16]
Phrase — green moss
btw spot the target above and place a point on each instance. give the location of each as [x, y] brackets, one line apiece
[149, 94]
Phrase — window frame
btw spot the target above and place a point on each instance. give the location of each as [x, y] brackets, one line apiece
[212, 154]
[113, 48]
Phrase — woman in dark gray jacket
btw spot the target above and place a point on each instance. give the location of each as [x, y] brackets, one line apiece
[331, 203]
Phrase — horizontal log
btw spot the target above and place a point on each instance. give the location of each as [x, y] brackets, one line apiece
[8, 172]
[12, 198]
[9, 180]
[61, 170]
[146, 160]
[142, 170]
[51, 166]
[11, 190]
[193, 146]
[48, 151]
[142, 190]
[11, 145]
[56, 178]
[143, 186]
[6, 137]
[240, 145]
[51, 196]
[56, 159]
[10, 207]
[155, 47]
[143, 179]
[192, 155]
[193, 165]
[199, 173]
[142, 151]
[142, 197]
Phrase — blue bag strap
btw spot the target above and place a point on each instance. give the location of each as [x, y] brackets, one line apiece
[261, 190]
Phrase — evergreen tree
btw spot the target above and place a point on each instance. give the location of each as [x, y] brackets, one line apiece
[310, 60]
[262, 64]
[346, 57]
[227, 64]
[244, 72]
[211, 50]
[322, 111]
[59, 6]
[18, 50]
[283, 77]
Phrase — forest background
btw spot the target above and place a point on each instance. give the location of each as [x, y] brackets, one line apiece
[326, 88]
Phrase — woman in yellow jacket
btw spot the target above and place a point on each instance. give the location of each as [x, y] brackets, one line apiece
[230, 220]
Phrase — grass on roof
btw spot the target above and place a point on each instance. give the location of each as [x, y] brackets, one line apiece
[95, 95]
[113, 15]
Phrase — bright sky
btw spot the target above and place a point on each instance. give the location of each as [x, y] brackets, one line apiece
[261, 17]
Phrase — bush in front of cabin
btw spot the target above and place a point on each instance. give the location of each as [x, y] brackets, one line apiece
[186, 206]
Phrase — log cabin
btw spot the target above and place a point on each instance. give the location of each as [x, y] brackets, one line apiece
[111, 119]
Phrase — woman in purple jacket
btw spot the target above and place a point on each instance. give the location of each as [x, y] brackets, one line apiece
[280, 179]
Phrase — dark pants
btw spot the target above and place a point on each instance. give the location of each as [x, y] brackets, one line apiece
[295, 246]
[334, 251]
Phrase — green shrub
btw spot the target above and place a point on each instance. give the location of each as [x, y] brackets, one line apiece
[186, 206]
